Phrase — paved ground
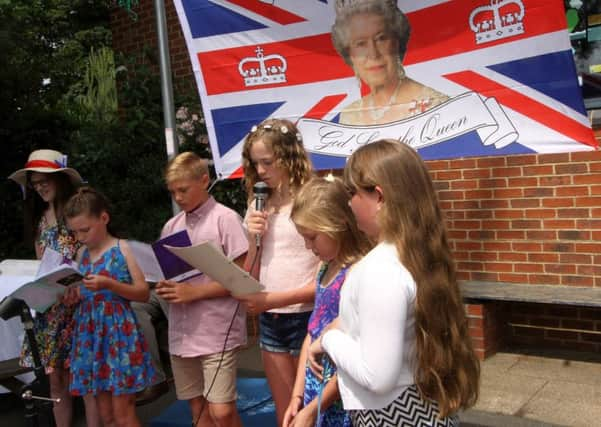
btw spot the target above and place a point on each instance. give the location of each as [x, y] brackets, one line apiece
[516, 390]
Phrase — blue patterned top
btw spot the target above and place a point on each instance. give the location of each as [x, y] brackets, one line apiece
[327, 299]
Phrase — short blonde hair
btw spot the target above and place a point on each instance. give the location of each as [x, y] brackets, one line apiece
[187, 165]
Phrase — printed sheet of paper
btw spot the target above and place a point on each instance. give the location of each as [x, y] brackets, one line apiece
[44, 291]
[212, 262]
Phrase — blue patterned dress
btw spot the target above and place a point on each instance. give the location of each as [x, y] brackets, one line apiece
[327, 298]
[109, 352]
[53, 329]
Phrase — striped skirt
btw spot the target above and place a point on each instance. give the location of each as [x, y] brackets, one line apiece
[407, 410]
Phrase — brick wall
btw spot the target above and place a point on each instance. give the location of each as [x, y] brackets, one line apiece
[528, 219]
[564, 326]
[531, 219]
[132, 37]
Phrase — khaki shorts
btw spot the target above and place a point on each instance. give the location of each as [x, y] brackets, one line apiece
[193, 376]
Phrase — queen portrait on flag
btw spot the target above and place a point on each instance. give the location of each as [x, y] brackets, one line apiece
[372, 37]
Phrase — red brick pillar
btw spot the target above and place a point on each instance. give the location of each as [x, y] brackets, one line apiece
[487, 325]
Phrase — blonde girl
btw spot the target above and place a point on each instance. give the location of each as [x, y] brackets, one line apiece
[402, 349]
[273, 152]
[323, 217]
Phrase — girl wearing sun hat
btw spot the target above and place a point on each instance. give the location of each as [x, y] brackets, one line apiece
[47, 184]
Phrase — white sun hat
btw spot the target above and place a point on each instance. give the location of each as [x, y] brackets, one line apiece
[45, 161]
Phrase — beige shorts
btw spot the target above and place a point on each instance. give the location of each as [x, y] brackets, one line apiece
[193, 376]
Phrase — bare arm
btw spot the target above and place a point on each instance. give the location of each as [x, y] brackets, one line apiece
[263, 301]
[329, 395]
[136, 291]
[298, 390]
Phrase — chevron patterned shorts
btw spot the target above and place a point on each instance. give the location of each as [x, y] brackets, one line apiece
[407, 410]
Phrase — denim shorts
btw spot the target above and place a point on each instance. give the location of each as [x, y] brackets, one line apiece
[283, 332]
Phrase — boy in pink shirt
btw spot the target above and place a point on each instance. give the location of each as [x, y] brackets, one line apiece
[203, 347]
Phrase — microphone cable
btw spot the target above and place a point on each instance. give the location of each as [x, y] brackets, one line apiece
[227, 335]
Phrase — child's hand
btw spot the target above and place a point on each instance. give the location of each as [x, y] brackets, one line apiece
[314, 358]
[254, 303]
[306, 417]
[96, 282]
[71, 296]
[256, 224]
[174, 292]
[295, 405]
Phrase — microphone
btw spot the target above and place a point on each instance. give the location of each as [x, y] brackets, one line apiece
[261, 191]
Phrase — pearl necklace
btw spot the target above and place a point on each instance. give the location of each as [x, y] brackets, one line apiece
[376, 113]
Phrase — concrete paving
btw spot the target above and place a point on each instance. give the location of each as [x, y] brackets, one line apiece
[551, 390]
[517, 390]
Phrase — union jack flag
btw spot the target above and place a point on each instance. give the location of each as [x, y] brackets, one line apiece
[509, 59]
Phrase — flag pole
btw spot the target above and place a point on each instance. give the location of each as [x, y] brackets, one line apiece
[166, 85]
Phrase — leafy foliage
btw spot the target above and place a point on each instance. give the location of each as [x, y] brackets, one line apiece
[43, 45]
[124, 157]
[57, 90]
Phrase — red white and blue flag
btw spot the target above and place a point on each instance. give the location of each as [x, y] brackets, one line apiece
[506, 65]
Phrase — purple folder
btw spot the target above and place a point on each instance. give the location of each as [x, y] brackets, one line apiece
[173, 267]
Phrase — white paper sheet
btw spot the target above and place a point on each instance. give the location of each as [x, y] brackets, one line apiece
[212, 262]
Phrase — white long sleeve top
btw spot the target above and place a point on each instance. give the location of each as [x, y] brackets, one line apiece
[374, 350]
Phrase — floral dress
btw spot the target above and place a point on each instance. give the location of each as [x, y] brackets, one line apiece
[53, 328]
[327, 298]
[109, 351]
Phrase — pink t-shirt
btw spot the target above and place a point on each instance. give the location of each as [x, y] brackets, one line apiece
[285, 262]
[199, 328]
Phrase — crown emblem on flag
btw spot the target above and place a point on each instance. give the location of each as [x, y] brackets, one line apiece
[263, 69]
[497, 20]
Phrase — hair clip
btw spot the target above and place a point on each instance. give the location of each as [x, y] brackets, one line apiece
[299, 137]
[254, 128]
[284, 129]
[267, 126]
[330, 177]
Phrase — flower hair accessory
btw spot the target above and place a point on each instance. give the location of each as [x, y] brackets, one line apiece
[283, 129]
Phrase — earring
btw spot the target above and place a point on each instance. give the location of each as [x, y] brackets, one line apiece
[400, 69]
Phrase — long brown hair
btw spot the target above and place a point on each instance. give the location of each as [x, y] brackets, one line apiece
[322, 205]
[284, 138]
[410, 218]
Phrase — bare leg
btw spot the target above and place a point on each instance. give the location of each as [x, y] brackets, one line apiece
[92, 414]
[280, 370]
[225, 414]
[203, 419]
[124, 411]
[104, 404]
[59, 389]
